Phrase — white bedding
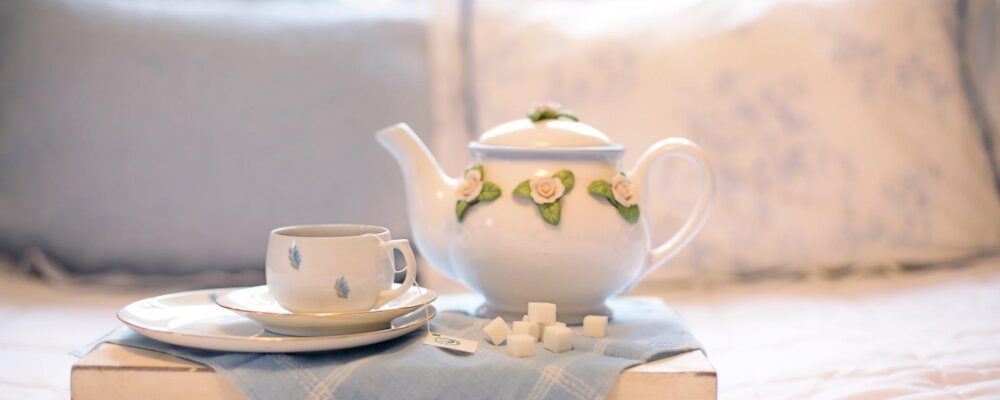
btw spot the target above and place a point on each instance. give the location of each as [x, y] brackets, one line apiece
[929, 335]
[926, 335]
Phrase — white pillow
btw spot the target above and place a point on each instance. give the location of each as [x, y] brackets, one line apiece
[839, 131]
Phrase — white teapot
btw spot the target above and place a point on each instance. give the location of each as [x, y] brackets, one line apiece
[545, 213]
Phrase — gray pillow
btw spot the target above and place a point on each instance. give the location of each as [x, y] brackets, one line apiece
[172, 136]
[979, 49]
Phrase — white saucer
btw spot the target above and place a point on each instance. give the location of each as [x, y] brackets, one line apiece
[192, 319]
[256, 303]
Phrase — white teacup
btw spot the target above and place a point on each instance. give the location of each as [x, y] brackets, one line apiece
[335, 268]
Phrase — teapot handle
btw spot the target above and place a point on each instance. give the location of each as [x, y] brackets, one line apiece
[686, 149]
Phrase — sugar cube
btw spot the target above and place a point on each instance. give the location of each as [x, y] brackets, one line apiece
[595, 326]
[520, 345]
[541, 328]
[497, 331]
[558, 339]
[542, 313]
[526, 328]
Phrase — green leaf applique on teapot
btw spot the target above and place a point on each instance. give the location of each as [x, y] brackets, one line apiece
[551, 110]
[474, 189]
[547, 192]
[620, 193]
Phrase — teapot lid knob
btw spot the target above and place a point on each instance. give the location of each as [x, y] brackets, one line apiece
[551, 110]
[548, 125]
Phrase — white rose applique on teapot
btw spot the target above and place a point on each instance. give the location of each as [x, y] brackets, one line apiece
[545, 213]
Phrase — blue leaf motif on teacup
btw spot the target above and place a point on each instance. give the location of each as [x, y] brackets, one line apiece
[342, 289]
[293, 256]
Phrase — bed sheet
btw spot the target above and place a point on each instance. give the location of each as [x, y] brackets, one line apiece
[928, 335]
[40, 324]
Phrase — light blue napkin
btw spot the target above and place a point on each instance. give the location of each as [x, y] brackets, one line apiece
[643, 329]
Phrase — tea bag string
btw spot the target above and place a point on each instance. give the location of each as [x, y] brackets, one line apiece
[420, 294]
[427, 313]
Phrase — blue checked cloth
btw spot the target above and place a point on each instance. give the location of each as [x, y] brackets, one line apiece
[643, 329]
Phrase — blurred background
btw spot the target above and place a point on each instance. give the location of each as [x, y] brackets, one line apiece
[166, 138]
[853, 250]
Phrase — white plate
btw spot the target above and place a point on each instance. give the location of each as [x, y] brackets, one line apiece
[192, 319]
[256, 303]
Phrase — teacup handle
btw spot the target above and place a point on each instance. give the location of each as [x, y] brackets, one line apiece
[692, 152]
[403, 246]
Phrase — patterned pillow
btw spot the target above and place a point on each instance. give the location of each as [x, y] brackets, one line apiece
[841, 133]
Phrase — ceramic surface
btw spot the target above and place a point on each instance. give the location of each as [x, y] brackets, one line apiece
[508, 249]
[192, 319]
[335, 268]
[257, 303]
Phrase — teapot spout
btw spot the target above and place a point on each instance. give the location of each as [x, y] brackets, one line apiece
[429, 193]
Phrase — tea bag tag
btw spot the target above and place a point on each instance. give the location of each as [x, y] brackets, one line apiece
[446, 342]
[451, 343]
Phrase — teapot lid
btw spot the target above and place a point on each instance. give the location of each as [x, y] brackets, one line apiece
[548, 125]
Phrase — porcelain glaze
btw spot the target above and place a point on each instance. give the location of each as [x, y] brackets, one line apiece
[192, 319]
[334, 268]
[504, 250]
[257, 304]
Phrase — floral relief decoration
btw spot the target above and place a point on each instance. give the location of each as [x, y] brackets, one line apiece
[620, 193]
[546, 191]
[551, 110]
[474, 189]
